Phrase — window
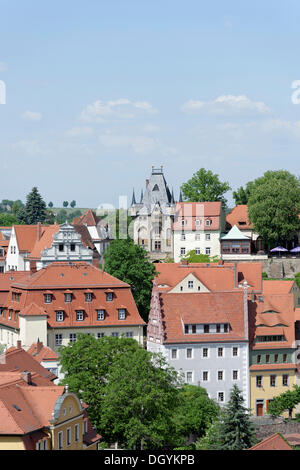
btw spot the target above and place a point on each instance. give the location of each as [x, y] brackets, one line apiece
[272, 380]
[85, 427]
[207, 222]
[115, 334]
[58, 339]
[157, 245]
[220, 352]
[276, 358]
[100, 315]
[221, 397]
[59, 315]
[259, 381]
[72, 247]
[186, 329]
[284, 358]
[129, 334]
[60, 440]
[198, 251]
[100, 335]
[79, 315]
[218, 328]
[60, 247]
[48, 298]
[267, 358]
[9, 314]
[182, 251]
[235, 351]
[258, 359]
[197, 236]
[205, 352]
[285, 380]
[220, 375]
[206, 328]
[189, 352]
[207, 251]
[73, 337]
[68, 297]
[88, 296]
[182, 222]
[76, 432]
[121, 313]
[182, 237]
[190, 284]
[205, 376]
[174, 353]
[189, 377]
[207, 236]
[235, 375]
[198, 222]
[226, 328]
[68, 436]
[109, 296]
[193, 329]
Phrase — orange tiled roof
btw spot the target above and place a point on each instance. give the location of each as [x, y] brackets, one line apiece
[258, 367]
[239, 217]
[26, 236]
[45, 241]
[192, 211]
[220, 307]
[274, 442]
[88, 218]
[42, 353]
[277, 287]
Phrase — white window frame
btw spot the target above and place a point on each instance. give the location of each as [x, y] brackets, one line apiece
[186, 376]
[182, 251]
[207, 250]
[198, 251]
[238, 351]
[238, 375]
[88, 297]
[205, 357]
[47, 297]
[68, 297]
[218, 396]
[192, 353]
[100, 314]
[72, 337]
[207, 236]
[190, 284]
[58, 339]
[176, 353]
[223, 351]
[197, 236]
[208, 375]
[79, 315]
[223, 375]
[59, 315]
[122, 313]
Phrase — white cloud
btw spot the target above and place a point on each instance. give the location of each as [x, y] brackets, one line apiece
[122, 109]
[226, 104]
[29, 147]
[3, 67]
[80, 131]
[32, 116]
[139, 144]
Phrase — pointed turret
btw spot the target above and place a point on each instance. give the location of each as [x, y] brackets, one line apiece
[142, 195]
[180, 197]
[133, 198]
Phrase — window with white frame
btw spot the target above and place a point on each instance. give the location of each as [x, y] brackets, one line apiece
[100, 335]
[59, 315]
[122, 313]
[205, 376]
[189, 353]
[220, 352]
[58, 339]
[88, 296]
[205, 352]
[182, 236]
[220, 375]
[221, 397]
[79, 315]
[190, 284]
[189, 377]
[197, 251]
[198, 222]
[182, 251]
[207, 236]
[129, 334]
[207, 222]
[235, 351]
[207, 250]
[73, 337]
[174, 353]
[48, 298]
[100, 315]
[197, 236]
[235, 375]
[68, 297]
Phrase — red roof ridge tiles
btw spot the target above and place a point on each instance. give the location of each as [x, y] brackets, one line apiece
[274, 442]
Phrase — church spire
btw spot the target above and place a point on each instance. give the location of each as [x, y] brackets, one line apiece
[180, 197]
[172, 197]
[133, 198]
[142, 195]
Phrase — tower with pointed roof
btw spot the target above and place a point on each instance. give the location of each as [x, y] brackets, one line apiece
[153, 217]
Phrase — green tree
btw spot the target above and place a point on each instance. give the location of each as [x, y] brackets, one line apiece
[73, 204]
[131, 393]
[34, 210]
[212, 439]
[297, 279]
[274, 205]
[129, 263]
[7, 220]
[287, 401]
[194, 414]
[192, 257]
[65, 203]
[139, 400]
[237, 431]
[205, 186]
[50, 204]
[241, 195]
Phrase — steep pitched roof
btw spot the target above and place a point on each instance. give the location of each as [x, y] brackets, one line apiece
[277, 286]
[45, 241]
[239, 216]
[192, 211]
[89, 218]
[42, 353]
[26, 236]
[235, 234]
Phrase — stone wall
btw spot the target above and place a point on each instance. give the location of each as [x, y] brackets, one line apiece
[268, 427]
[281, 267]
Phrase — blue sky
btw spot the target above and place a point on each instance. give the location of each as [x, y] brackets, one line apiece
[99, 91]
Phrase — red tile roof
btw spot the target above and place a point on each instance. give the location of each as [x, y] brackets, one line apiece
[221, 307]
[192, 211]
[42, 353]
[277, 286]
[274, 442]
[26, 236]
[239, 216]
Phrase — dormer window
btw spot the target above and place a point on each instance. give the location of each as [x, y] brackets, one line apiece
[68, 297]
[48, 298]
[122, 313]
[100, 315]
[198, 222]
[109, 296]
[182, 222]
[79, 315]
[59, 315]
[207, 222]
[190, 284]
[88, 296]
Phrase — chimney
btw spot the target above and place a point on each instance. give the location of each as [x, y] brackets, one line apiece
[32, 266]
[39, 345]
[19, 344]
[39, 231]
[147, 182]
[26, 376]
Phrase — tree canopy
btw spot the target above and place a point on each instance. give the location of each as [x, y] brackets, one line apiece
[131, 393]
[286, 401]
[7, 220]
[241, 195]
[129, 263]
[274, 205]
[34, 210]
[205, 186]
